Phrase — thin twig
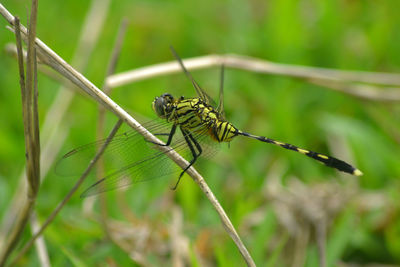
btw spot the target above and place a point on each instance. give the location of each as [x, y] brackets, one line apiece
[264, 66]
[31, 84]
[36, 127]
[254, 65]
[27, 203]
[20, 61]
[52, 216]
[116, 51]
[102, 112]
[363, 91]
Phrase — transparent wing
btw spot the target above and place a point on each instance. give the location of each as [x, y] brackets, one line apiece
[130, 159]
[220, 109]
[200, 92]
[153, 166]
[125, 148]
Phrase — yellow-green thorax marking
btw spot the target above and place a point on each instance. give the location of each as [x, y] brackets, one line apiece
[194, 115]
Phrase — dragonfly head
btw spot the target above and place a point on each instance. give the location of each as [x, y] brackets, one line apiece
[162, 105]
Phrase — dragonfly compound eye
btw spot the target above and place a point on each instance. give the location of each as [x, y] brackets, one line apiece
[161, 105]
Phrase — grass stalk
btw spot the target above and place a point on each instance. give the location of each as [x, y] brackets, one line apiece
[29, 93]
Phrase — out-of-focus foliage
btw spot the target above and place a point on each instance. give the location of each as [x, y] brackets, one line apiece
[275, 198]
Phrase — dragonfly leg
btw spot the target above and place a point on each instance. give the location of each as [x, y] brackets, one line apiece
[190, 140]
[170, 135]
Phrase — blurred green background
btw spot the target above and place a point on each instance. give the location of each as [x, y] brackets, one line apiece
[259, 185]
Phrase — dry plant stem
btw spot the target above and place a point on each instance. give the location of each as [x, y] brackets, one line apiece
[58, 64]
[70, 193]
[254, 65]
[31, 131]
[36, 127]
[328, 77]
[263, 66]
[28, 204]
[115, 52]
[54, 136]
[367, 92]
[31, 94]
[100, 124]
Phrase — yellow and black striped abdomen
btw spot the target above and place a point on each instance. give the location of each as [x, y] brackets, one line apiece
[225, 131]
[327, 160]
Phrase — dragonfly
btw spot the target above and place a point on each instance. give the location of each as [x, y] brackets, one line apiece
[189, 125]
